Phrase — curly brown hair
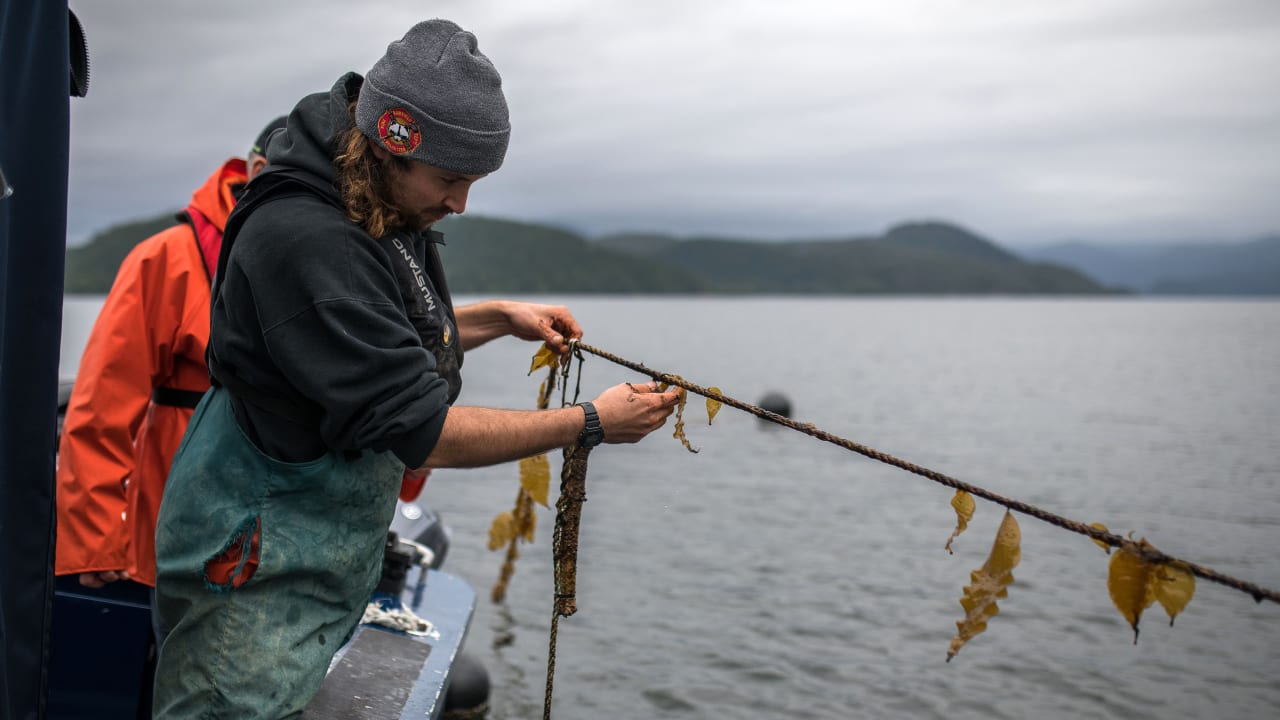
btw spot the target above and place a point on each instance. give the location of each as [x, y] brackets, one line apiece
[366, 181]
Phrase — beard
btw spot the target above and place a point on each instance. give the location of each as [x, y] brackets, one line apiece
[413, 218]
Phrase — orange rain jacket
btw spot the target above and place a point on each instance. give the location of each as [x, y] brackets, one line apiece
[117, 442]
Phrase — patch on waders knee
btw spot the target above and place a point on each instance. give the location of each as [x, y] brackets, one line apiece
[236, 562]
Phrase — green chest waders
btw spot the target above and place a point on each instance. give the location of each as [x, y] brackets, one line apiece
[264, 568]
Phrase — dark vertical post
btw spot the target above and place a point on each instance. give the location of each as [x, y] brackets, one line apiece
[34, 133]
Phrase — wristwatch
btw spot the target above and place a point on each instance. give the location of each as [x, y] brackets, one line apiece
[592, 433]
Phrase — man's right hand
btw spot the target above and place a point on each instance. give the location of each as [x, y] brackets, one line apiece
[102, 577]
[479, 437]
[630, 411]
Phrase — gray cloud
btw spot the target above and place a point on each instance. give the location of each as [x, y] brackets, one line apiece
[1115, 120]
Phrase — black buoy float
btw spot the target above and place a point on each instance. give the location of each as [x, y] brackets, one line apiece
[468, 694]
[777, 403]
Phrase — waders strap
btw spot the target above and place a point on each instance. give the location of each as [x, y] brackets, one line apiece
[174, 397]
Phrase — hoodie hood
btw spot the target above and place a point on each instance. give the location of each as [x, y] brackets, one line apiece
[310, 138]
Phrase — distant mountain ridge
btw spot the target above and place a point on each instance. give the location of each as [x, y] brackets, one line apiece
[912, 258]
[1245, 268]
[491, 255]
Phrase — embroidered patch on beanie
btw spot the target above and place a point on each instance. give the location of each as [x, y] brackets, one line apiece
[398, 132]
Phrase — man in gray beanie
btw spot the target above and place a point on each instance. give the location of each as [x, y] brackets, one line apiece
[335, 356]
[435, 83]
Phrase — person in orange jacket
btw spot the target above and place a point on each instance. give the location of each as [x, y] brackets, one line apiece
[142, 373]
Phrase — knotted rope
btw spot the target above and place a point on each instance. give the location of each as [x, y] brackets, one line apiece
[1145, 552]
[564, 539]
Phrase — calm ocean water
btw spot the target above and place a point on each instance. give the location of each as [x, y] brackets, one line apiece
[773, 575]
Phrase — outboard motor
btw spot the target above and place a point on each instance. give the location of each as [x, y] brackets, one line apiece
[424, 526]
[397, 559]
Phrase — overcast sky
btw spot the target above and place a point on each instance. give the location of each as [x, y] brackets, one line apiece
[1026, 122]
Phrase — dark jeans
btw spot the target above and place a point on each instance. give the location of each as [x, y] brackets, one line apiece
[104, 651]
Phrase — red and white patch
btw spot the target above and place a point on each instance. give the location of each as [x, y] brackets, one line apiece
[399, 132]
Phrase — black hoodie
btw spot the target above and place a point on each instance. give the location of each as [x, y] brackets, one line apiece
[327, 338]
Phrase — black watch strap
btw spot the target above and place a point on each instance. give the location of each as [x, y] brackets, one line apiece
[592, 432]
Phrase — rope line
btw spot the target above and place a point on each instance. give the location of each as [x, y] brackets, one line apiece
[551, 665]
[564, 538]
[1147, 553]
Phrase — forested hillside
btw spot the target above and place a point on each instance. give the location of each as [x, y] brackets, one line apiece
[489, 255]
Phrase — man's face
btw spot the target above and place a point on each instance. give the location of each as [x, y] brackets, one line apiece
[426, 194]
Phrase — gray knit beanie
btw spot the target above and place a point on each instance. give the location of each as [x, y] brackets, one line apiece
[436, 98]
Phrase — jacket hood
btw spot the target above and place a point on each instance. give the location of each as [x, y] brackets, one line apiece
[217, 196]
[310, 138]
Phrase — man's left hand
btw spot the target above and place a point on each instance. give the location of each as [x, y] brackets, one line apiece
[552, 324]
